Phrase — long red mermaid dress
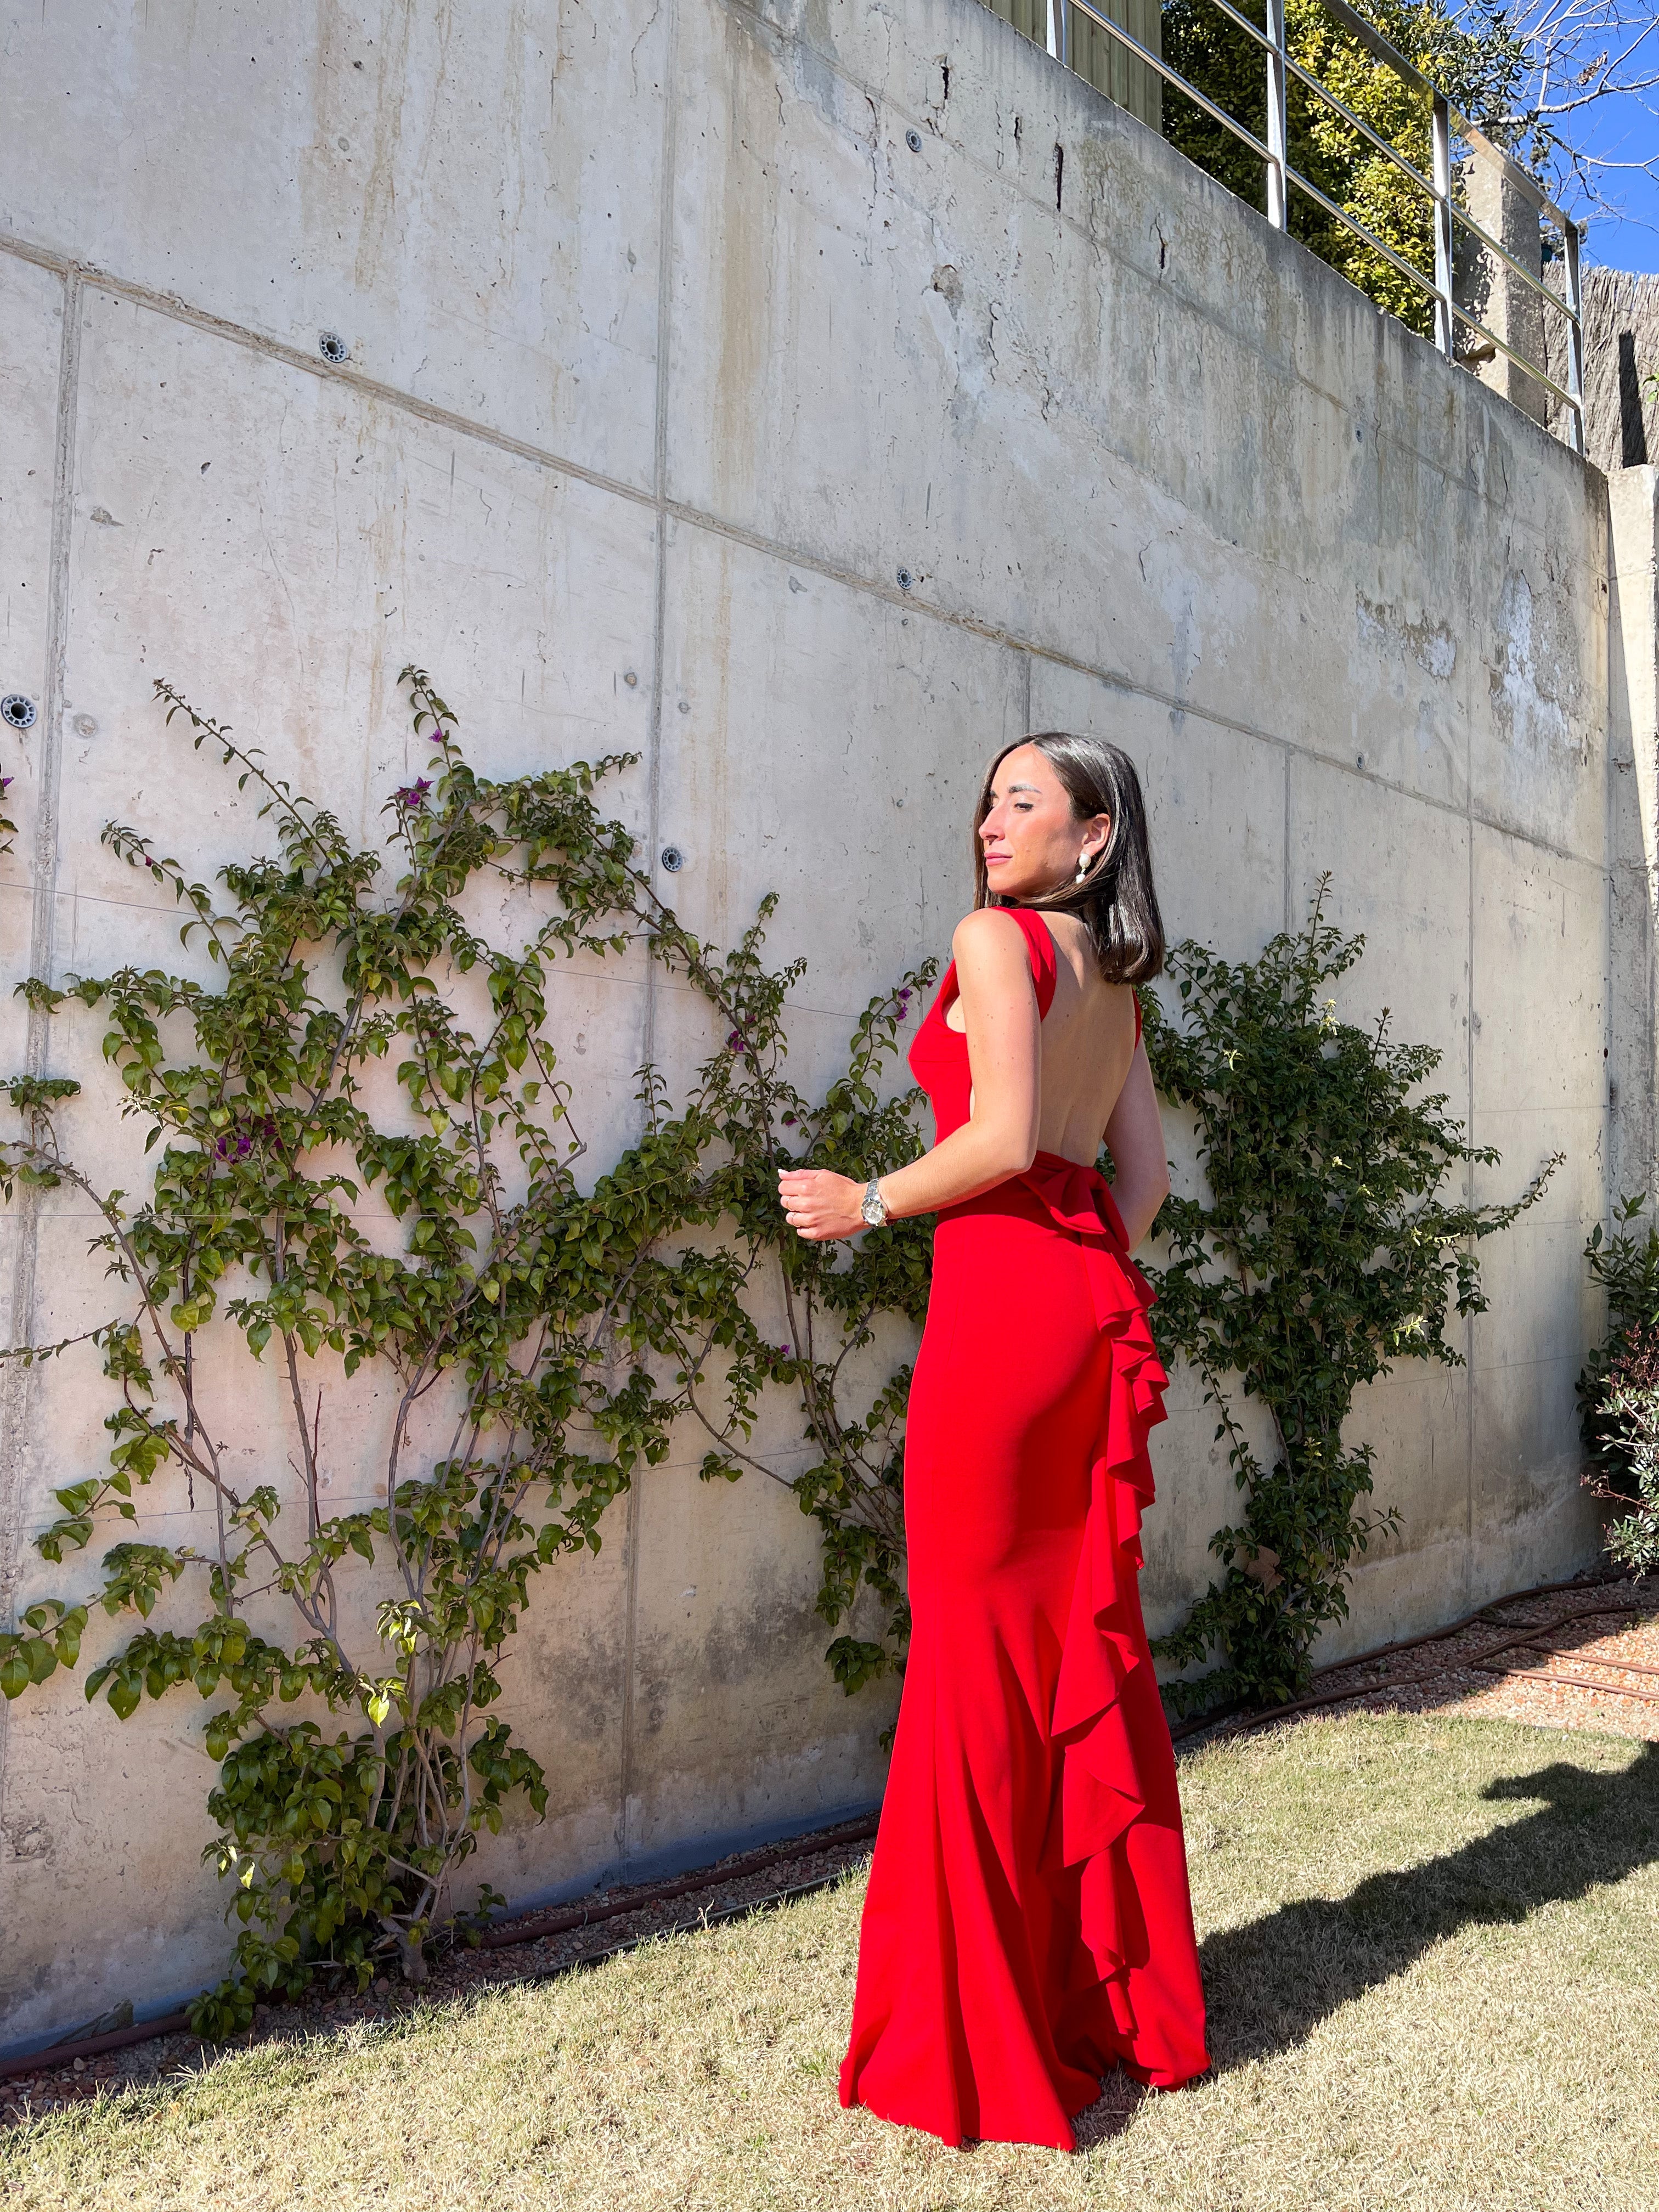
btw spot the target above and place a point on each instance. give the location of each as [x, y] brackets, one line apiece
[1028, 1925]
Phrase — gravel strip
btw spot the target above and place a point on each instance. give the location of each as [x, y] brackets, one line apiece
[1441, 1677]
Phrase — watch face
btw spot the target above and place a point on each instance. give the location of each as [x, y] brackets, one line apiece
[873, 1210]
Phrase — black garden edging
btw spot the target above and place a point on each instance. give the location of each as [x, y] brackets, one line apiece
[613, 1904]
[528, 1928]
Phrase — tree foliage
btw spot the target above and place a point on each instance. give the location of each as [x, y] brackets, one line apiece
[1472, 57]
[1322, 1253]
[540, 1344]
[1579, 55]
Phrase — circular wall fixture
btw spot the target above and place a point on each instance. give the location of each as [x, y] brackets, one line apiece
[672, 859]
[333, 347]
[17, 711]
[905, 580]
[913, 140]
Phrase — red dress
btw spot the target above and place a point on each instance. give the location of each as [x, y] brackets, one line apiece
[1028, 1925]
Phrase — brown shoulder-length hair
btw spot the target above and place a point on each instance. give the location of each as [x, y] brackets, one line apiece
[1116, 899]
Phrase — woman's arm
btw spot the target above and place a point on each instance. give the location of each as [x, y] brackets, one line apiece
[1134, 1138]
[999, 1005]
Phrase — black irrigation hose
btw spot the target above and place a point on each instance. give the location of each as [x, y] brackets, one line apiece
[89, 2047]
[530, 1929]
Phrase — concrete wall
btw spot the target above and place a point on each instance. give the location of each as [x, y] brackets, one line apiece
[667, 355]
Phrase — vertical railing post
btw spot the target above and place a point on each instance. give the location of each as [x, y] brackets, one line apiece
[1445, 322]
[1278, 196]
[1575, 335]
[1060, 31]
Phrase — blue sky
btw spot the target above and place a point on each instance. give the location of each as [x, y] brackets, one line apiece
[1624, 131]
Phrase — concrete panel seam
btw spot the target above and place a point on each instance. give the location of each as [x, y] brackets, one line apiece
[1469, 1396]
[390, 395]
[654, 806]
[1290, 918]
[178, 310]
[1114, 679]
[18, 1386]
[1160, 279]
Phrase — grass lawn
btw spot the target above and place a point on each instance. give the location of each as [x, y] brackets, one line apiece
[1431, 1949]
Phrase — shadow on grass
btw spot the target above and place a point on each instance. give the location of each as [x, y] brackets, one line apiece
[1270, 1982]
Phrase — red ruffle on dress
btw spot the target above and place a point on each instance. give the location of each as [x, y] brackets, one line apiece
[1028, 1925]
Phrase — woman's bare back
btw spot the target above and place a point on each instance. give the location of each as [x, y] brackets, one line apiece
[1087, 1041]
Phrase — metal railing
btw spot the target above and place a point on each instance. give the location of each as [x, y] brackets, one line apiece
[1449, 127]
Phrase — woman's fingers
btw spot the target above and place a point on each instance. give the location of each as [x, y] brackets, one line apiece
[810, 1199]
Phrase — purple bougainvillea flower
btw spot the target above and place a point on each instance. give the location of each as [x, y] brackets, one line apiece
[734, 1042]
[413, 796]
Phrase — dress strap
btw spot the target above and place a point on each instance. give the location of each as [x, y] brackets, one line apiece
[1135, 995]
[1045, 961]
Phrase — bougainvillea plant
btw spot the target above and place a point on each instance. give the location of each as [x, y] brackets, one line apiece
[361, 1041]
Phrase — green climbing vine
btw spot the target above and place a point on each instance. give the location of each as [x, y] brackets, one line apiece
[366, 1042]
[1322, 1255]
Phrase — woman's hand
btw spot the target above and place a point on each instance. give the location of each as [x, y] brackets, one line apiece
[819, 1205]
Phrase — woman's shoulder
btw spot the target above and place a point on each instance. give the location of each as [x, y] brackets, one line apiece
[988, 924]
[993, 936]
[995, 945]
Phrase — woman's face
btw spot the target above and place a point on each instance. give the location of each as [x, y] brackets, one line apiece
[1031, 838]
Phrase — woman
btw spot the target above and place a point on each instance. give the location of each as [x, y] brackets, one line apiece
[1028, 1926]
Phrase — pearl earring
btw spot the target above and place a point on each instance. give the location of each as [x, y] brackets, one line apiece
[1082, 867]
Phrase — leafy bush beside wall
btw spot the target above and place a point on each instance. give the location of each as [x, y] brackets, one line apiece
[1619, 1389]
[1322, 1253]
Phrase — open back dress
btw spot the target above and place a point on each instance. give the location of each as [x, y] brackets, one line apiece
[1028, 1926]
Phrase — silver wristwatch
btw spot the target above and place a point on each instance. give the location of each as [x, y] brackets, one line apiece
[874, 1208]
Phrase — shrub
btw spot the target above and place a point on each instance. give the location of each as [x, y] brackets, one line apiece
[1322, 1253]
[1626, 1267]
[1629, 1414]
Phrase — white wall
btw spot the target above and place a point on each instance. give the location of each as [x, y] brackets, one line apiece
[667, 355]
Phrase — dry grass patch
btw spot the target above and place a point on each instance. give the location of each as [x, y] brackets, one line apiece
[1430, 1948]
